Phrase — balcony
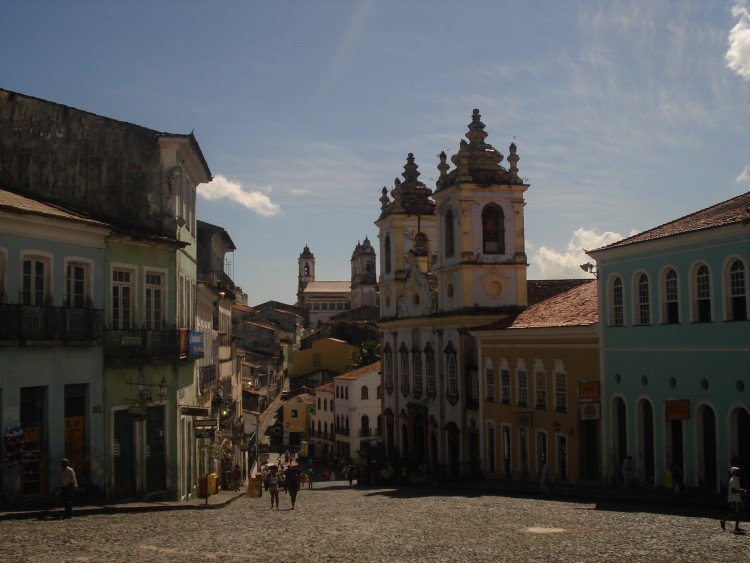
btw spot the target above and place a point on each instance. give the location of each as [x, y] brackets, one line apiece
[147, 345]
[22, 324]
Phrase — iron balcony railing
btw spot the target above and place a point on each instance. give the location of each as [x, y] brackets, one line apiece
[142, 344]
[26, 323]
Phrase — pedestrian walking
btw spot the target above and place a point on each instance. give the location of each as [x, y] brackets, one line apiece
[735, 495]
[291, 478]
[544, 480]
[272, 480]
[627, 471]
[68, 484]
[310, 474]
[236, 477]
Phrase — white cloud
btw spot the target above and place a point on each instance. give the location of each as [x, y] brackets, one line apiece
[744, 177]
[223, 188]
[738, 55]
[555, 264]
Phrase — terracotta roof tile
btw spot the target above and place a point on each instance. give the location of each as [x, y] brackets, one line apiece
[360, 372]
[15, 203]
[727, 212]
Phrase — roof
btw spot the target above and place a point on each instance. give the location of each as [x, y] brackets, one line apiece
[301, 399]
[539, 290]
[11, 202]
[327, 388]
[360, 372]
[576, 307]
[328, 287]
[729, 212]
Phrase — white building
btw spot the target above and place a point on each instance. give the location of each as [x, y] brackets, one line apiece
[357, 412]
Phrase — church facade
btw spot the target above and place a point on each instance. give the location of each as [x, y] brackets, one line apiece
[450, 259]
[326, 299]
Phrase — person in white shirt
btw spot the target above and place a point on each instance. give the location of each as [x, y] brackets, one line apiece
[68, 484]
[735, 495]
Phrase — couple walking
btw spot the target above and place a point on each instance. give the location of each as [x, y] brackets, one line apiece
[291, 480]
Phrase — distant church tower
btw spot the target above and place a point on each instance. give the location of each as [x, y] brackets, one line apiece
[364, 279]
[305, 274]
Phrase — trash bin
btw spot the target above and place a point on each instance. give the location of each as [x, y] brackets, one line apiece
[202, 487]
[213, 484]
[668, 480]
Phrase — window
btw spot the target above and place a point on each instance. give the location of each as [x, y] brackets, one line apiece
[617, 317]
[76, 285]
[346, 393]
[364, 425]
[387, 254]
[379, 392]
[644, 305]
[703, 294]
[671, 298]
[154, 288]
[540, 389]
[294, 413]
[561, 392]
[490, 377]
[404, 371]
[737, 292]
[417, 361]
[493, 230]
[364, 393]
[450, 237]
[318, 403]
[388, 366]
[34, 283]
[505, 386]
[430, 359]
[523, 388]
[122, 300]
[325, 404]
[452, 376]
[338, 392]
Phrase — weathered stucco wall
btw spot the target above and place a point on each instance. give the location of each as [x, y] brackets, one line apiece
[101, 166]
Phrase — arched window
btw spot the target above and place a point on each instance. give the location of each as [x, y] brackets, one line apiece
[702, 294]
[737, 292]
[644, 304]
[365, 425]
[364, 393]
[379, 392]
[387, 254]
[306, 269]
[429, 356]
[671, 298]
[452, 376]
[450, 238]
[318, 428]
[493, 230]
[347, 425]
[318, 403]
[617, 317]
[325, 404]
[388, 367]
[346, 393]
[404, 370]
[325, 429]
[338, 396]
[417, 362]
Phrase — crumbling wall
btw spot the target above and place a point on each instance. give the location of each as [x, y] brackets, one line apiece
[106, 168]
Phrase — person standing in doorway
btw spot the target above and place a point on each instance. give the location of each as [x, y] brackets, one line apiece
[544, 480]
[68, 484]
[735, 495]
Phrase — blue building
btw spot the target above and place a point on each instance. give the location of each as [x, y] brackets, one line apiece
[676, 347]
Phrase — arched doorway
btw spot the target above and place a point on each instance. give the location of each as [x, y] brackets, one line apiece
[433, 448]
[404, 442]
[707, 473]
[739, 433]
[646, 442]
[619, 435]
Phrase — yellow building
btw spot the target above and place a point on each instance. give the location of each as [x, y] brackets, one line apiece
[540, 389]
[297, 414]
[326, 354]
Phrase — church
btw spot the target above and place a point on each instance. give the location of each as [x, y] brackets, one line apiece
[356, 299]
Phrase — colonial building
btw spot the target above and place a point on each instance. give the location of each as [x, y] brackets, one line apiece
[322, 438]
[540, 387]
[673, 304]
[323, 300]
[451, 259]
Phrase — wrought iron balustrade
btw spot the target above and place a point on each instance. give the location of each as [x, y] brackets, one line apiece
[27, 323]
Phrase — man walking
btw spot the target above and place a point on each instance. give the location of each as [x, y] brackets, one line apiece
[735, 495]
[68, 484]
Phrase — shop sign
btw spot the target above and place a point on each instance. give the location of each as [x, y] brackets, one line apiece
[677, 410]
[194, 411]
[208, 423]
[204, 433]
[588, 390]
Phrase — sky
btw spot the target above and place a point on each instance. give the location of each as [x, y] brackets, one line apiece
[626, 114]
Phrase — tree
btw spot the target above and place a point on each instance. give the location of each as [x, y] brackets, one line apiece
[368, 353]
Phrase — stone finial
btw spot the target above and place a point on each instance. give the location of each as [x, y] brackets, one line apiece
[513, 159]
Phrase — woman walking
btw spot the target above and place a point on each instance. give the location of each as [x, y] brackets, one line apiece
[272, 480]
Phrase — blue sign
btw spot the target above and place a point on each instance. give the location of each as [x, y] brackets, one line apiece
[195, 343]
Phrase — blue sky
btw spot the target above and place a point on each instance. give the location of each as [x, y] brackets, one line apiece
[626, 114]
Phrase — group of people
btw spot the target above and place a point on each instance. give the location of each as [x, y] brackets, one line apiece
[289, 479]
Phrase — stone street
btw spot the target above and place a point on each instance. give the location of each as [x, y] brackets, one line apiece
[335, 522]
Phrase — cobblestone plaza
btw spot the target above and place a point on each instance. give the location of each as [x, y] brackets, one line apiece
[334, 522]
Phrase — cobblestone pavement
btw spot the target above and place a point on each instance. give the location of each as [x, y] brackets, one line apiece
[334, 522]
